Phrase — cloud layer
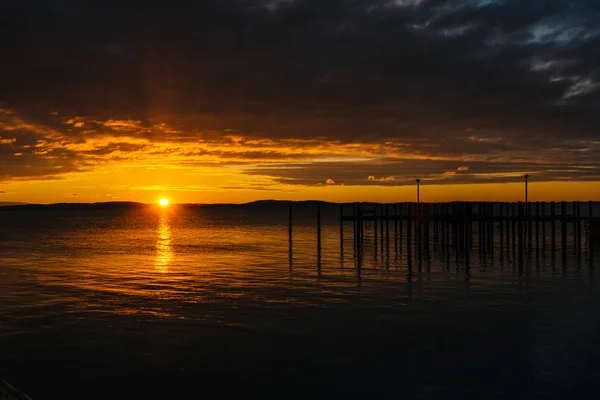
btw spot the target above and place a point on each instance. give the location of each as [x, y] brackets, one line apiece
[304, 92]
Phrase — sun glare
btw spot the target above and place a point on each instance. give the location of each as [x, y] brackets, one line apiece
[163, 202]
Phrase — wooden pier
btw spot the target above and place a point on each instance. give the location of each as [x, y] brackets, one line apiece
[522, 226]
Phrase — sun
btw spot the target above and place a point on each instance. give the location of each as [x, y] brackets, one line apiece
[163, 202]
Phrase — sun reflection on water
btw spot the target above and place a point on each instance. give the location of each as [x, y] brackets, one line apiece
[164, 250]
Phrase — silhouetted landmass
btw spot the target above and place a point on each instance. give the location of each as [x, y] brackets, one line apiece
[262, 204]
[11, 203]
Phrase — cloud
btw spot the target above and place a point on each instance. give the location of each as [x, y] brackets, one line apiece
[281, 88]
[53, 149]
[331, 54]
[382, 179]
[434, 171]
[34, 151]
[458, 171]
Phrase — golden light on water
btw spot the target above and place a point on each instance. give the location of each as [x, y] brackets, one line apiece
[163, 202]
[164, 251]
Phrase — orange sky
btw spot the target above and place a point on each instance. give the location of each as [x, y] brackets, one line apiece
[84, 159]
[233, 101]
[116, 185]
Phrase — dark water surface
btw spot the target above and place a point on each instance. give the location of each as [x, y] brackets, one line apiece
[156, 304]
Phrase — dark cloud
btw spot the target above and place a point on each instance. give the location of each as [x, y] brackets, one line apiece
[502, 81]
[404, 172]
[226, 55]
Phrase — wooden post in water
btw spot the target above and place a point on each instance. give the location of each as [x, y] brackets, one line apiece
[396, 216]
[469, 219]
[507, 205]
[427, 226]
[469, 208]
[507, 223]
[408, 225]
[459, 226]
[359, 231]
[537, 227]
[417, 227]
[342, 224]
[491, 227]
[442, 225]
[480, 232]
[488, 227]
[290, 249]
[590, 217]
[447, 226]
[544, 226]
[290, 224]
[527, 192]
[396, 229]
[574, 222]
[578, 226]
[387, 227]
[400, 225]
[514, 225]
[529, 227]
[521, 223]
[381, 225]
[466, 226]
[563, 227]
[574, 219]
[553, 222]
[319, 239]
[375, 228]
[355, 225]
[483, 225]
[319, 226]
[361, 224]
[454, 222]
[435, 223]
[501, 214]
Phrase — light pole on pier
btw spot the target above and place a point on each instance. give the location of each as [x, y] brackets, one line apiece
[418, 191]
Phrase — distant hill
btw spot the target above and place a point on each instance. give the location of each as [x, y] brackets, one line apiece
[259, 204]
[132, 205]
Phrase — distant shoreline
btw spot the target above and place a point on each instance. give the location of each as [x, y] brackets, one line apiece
[7, 206]
[136, 205]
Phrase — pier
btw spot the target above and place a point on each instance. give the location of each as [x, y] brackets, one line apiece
[462, 226]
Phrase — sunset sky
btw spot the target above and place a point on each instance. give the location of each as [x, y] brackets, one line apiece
[239, 100]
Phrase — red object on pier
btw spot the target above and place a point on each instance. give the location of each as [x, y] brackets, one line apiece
[422, 213]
